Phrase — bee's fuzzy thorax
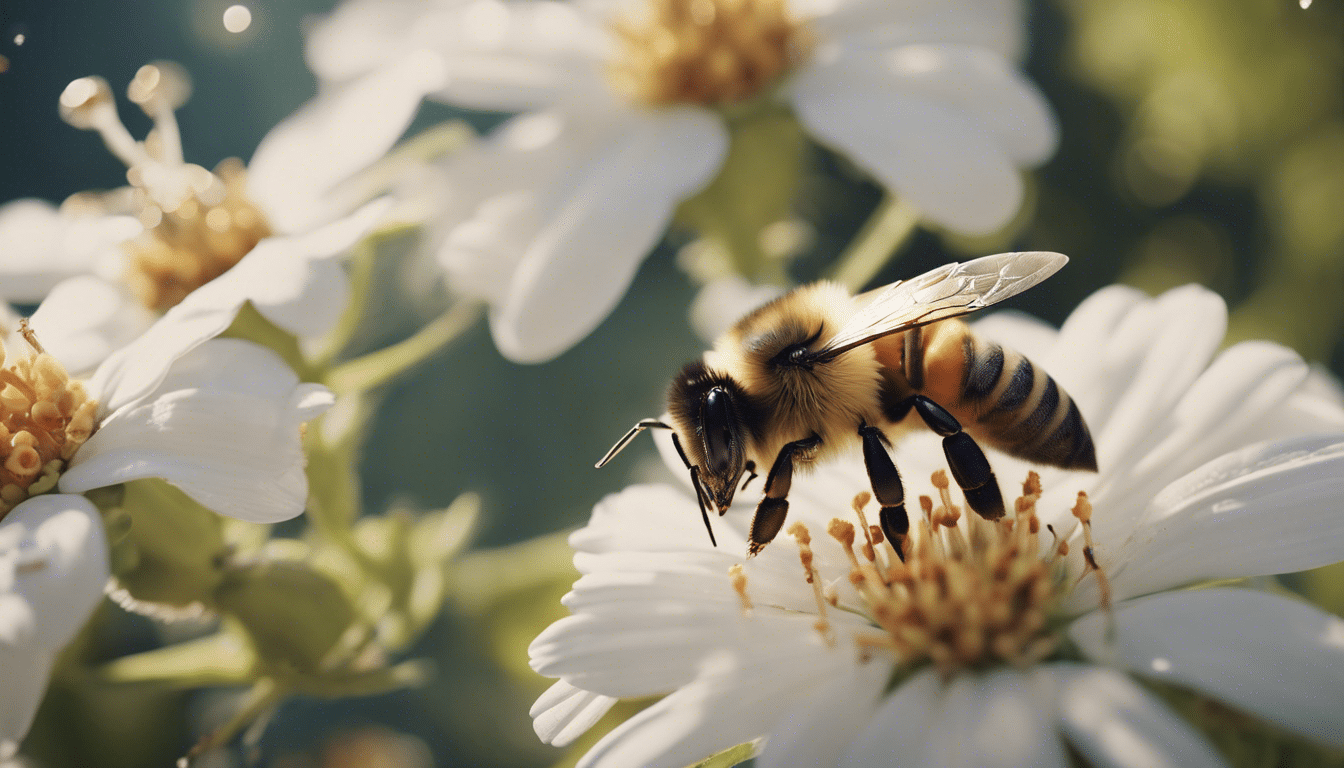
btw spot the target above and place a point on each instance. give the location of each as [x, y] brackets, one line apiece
[826, 398]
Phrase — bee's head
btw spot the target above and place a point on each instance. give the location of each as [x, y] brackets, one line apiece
[711, 414]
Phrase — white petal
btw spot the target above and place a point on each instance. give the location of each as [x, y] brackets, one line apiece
[820, 728]
[720, 303]
[43, 246]
[1268, 508]
[1244, 383]
[948, 165]
[1019, 331]
[1003, 718]
[284, 277]
[1277, 658]
[223, 426]
[511, 56]
[974, 82]
[1114, 723]
[302, 160]
[85, 319]
[54, 550]
[735, 698]
[360, 35]
[898, 731]
[593, 231]
[993, 24]
[563, 713]
[24, 673]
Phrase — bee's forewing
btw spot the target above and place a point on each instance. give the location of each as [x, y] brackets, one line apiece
[948, 291]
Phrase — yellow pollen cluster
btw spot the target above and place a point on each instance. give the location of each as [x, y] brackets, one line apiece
[45, 416]
[199, 239]
[968, 591]
[710, 52]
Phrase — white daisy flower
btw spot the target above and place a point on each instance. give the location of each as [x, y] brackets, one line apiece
[133, 253]
[988, 645]
[220, 419]
[624, 106]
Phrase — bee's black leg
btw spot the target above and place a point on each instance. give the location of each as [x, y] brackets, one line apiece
[969, 466]
[751, 470]
[887, 488]
[700, 493]
[770, 513]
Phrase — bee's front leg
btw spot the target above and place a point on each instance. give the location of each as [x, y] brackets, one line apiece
[772, 510]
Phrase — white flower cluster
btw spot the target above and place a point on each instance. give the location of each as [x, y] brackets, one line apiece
[190, 324]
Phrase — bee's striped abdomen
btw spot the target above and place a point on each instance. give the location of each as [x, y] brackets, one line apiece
[1020, 409]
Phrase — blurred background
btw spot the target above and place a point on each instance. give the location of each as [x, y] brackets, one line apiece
[1202, 140]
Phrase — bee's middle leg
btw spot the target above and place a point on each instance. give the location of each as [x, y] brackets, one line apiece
[887, 488]
[772, 510]
[969, 466]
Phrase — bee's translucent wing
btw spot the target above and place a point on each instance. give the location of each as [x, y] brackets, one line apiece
[948, 291]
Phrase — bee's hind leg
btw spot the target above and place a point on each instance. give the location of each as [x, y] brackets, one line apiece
[969, 466]
[772, 510]
[887, 488]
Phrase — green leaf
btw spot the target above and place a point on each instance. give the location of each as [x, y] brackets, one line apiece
[731, 756]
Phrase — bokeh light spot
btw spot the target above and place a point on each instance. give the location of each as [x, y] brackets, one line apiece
[237, 18]
[20, 38]
[4, 63]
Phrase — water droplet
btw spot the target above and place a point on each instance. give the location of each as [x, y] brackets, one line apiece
[1304, 3]
[20, 38]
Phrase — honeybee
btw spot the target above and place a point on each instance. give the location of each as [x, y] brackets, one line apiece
[799, 379]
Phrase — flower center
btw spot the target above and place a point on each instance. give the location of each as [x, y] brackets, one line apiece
[198, 224]
[45, 416]
[709, 52]
[967, 592]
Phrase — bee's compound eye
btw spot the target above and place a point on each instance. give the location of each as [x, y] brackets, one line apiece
[719, 426]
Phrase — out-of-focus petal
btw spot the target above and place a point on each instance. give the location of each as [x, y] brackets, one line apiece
[1114, 723]
[563, 713]
[578, 243]
[511, 55]
[361, 35]
[948, 166]
[55, 555]
[284, 277]
[993, 24]
[299, 164]
[223, 426]
[24, 671]
[721, 303]
[85, 319]
[43, 246]
[1277, 658]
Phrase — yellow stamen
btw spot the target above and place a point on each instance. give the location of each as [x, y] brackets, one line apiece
[45, 416]
[709, 52]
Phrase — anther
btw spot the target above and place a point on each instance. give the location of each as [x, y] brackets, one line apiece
[739, 579]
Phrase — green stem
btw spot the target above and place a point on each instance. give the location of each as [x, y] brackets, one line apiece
[377, 368]
[361, 280]
[885, 231]
[264, 694]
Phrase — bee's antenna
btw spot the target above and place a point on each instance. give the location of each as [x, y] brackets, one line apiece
[624, 441]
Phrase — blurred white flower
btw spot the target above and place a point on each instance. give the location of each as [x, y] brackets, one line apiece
[1214, 465]
[218, 418]
[624, 106]
[134, 252]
